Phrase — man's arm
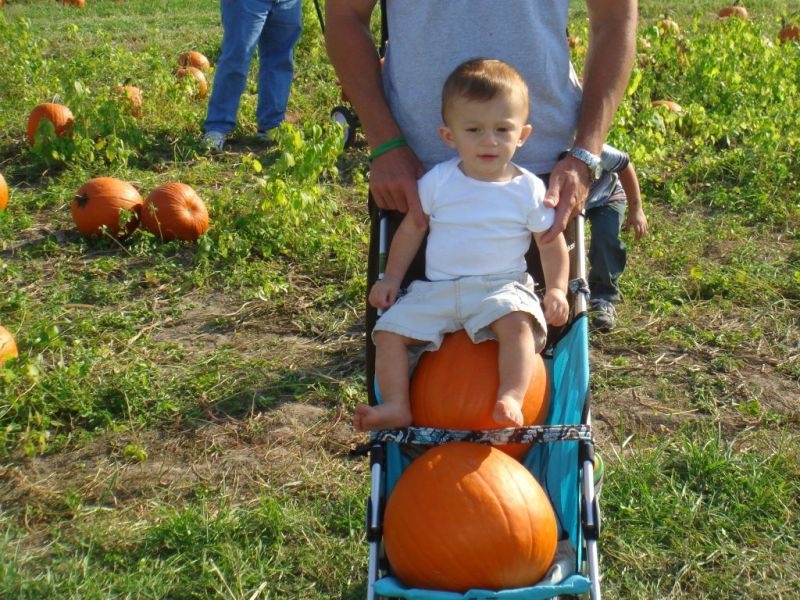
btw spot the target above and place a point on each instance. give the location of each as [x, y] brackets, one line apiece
[612, 47]
[351, 48]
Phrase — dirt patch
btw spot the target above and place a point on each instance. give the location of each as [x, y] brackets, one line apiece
[271, 449]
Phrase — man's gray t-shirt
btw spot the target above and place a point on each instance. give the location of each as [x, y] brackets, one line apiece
[430, 38]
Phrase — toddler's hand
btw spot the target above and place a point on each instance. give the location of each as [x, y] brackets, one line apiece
[556, 307]
[383, 293]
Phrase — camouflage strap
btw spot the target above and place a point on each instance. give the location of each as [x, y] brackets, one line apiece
[521, 435]
[579, 285]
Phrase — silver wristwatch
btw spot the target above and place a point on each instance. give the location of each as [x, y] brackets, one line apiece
[590, 160]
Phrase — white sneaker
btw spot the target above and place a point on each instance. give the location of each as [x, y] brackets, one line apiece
[214, 140]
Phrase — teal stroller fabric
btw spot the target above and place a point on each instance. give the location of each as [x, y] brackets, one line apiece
[555, 465]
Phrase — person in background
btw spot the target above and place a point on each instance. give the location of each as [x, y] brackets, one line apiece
[274, 26]
[482, 210]
[605, 208]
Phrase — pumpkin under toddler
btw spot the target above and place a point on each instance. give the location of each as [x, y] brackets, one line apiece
[465, 516]
[456, 388]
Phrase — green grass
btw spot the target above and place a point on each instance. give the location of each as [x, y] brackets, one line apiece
[176, 424]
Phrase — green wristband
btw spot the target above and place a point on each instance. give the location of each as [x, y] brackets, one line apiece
[395, 142]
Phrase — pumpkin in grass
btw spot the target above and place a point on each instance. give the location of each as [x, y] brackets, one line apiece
[199, 78]
[8, 347]
[106, 202]
[175, 211]
[788, 32]
[456, 388]
[465, 516]
[133, 95]
[58, 114]
[196, 59]
[668, 26]
[3, 192]
[78, 3]
[738, 11]
[668, 104]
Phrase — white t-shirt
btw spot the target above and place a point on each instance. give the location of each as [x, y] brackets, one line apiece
[480, 227]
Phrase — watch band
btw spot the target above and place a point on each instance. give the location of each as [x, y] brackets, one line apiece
[592, 161]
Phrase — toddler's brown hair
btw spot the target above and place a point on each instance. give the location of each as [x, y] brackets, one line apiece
[480, 80]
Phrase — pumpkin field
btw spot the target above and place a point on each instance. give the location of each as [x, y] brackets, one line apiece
[177, 376]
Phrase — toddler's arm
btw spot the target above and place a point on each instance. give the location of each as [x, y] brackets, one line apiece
[555, 264]
[405, 244]
[636, 218]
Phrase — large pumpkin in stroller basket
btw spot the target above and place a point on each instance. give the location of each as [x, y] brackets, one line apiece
[465, 516]
[456, 388]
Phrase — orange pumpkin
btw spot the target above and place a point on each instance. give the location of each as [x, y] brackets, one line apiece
[175, 211]
[466, 516]
[106, 202]
[197, 75]
[789, 32]
[740, 12]
[58, 114]
[8, 347]
[456, 388]
[668, 104]
[133, 95]
[668, 26]
[196, 59]
[3, 193]
[78, 3]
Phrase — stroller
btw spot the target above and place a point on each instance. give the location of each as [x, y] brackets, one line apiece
[561, 457]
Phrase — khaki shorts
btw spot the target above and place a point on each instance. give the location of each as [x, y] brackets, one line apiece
[431, 309]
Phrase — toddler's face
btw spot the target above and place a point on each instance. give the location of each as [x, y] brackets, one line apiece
[486, 134]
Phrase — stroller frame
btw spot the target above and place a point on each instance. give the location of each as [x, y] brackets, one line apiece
[385, 461]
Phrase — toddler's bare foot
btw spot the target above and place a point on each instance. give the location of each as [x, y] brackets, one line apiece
[508, 412]
[382, 416]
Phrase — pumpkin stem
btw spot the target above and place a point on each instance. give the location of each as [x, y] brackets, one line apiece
[82, 199]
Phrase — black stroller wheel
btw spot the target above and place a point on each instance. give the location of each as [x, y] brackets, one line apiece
[348, 120]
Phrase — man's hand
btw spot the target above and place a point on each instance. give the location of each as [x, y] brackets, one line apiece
[384, 292]
[567, 191]
[393, 182]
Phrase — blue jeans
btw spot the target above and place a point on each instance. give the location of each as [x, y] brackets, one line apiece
[607, 251]
[272, 25]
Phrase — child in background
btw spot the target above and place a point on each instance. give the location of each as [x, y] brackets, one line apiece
[605, 207]
[481, 210]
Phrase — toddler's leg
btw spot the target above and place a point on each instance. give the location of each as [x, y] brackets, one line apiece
[391, 369]
[515, 363]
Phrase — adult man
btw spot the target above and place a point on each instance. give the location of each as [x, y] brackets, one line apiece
[427, 39]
